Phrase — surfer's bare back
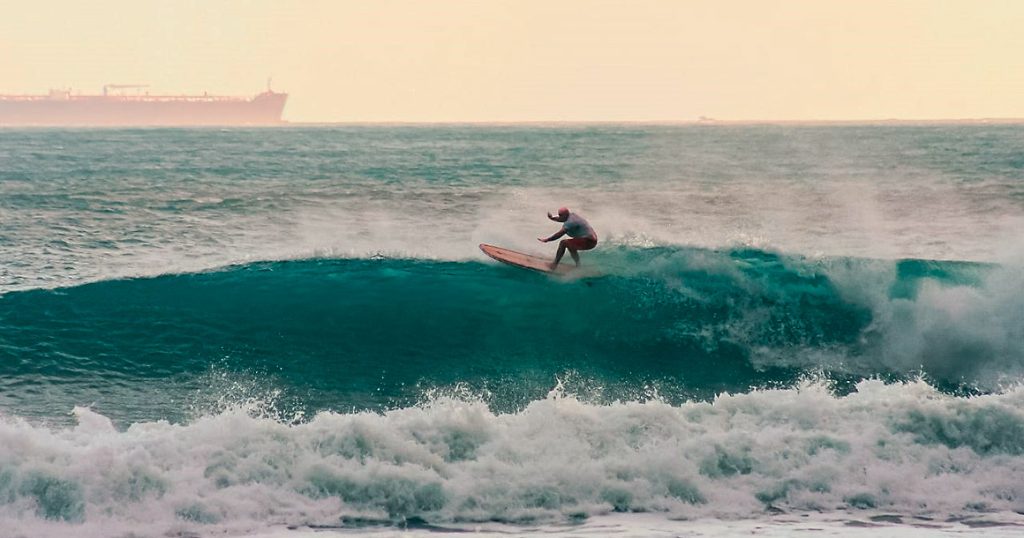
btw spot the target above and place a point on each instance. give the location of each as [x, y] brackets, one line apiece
[581, 235]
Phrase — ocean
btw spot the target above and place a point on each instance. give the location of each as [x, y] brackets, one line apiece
[289, 332]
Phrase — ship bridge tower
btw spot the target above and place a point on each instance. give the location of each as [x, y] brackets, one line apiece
[108, 87]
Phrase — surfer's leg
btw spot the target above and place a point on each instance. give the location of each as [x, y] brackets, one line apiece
[575, 245]
[560, 253]
[575, 256]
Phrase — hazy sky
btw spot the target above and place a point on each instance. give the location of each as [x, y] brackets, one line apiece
[452, 60]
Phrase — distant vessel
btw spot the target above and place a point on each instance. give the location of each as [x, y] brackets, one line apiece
[117, 108]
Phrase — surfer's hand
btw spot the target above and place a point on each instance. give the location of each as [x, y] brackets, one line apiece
[542, 239]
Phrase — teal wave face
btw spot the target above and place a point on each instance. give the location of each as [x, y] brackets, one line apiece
[358, 333]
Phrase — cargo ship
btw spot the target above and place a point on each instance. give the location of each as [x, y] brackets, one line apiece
[118, 107]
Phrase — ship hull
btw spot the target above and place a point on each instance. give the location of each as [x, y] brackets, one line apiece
[264, 109]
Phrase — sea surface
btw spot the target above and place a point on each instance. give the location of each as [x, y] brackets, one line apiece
[292, 331]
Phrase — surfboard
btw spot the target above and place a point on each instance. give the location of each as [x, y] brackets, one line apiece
[527, 261]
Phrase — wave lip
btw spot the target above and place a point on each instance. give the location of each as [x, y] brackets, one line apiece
[900, 448]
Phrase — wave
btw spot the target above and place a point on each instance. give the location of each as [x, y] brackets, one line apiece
[684, 322]
[902, 448]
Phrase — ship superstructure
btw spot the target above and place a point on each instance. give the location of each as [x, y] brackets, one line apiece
[115, 107]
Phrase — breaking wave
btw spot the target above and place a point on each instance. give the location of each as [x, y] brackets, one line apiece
[902, 447]
[359, 333]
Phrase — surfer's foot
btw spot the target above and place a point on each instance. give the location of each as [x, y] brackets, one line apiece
[553, 265]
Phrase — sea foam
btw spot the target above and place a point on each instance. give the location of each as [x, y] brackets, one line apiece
[902, 448]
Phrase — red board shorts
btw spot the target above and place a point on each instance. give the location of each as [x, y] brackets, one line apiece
[581, 243]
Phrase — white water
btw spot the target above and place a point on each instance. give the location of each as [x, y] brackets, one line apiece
[900, 449]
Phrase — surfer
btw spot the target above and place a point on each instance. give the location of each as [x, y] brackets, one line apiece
[581, 235]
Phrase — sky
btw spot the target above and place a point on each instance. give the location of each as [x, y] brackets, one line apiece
[537, 60]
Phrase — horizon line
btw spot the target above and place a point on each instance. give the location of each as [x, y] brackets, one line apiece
[701, 122]
[556, 123]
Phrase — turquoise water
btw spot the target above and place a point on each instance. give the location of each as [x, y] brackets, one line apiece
[373, 334]
[784, 318]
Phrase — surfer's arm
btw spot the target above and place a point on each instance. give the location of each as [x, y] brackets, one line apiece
[553, 237]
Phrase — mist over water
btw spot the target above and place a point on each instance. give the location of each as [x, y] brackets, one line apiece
[208, 331]
[94, 204]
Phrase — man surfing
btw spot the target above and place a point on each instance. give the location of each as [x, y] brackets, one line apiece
[582, 236]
